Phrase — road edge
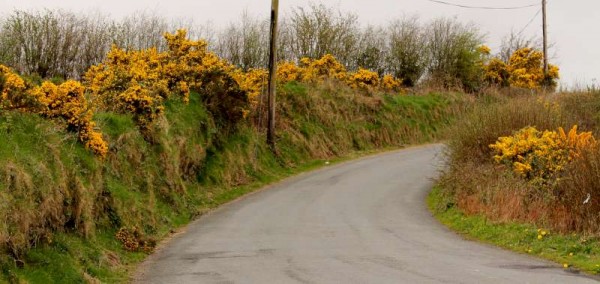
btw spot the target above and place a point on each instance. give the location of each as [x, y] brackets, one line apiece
[433, 202]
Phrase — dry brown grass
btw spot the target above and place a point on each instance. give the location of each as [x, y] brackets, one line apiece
[479, 186]
[579, 194]
[501, 117]
[492, 191]
[41, 203]
[584, 108]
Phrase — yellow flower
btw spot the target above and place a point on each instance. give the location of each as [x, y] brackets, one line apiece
[139, 81]
[13, 87]
[67, 101]
[287, 72]
[389, 83]
[363, 79]
[541, 155]
[484, 49]
[325, 67]
[254, 82]
[524, 69]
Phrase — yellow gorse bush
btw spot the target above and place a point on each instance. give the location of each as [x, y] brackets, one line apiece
[287, 72]
[324, 67]
[524, 70]
[328, 67]
[130, 81]
[389, 83]
[11, 82]
[484, 49]
[363, 79]
[12, 88]
[66, 101]
[496, 72]
[541, 155]
[576, 142]
[253, 82]
[138, 82]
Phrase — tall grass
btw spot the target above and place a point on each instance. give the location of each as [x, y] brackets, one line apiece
[477, 185]
[579, 195]
[501, 117]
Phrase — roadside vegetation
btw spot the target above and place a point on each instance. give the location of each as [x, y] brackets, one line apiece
[574, 252]
[528, 159]
[114, 133]
[95, 172]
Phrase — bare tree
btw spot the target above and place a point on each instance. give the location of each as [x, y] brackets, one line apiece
[8, 45]
[407, 59]
[141, 30]
[321, 30]
[515, 41]
[205, 31]
[245, 43]
[97, 41]
[285, 39]
[453, 55]
[46, 43]
[371, 50]
[53, 43]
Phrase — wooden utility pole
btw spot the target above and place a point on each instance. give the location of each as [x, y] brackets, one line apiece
[545, 39]
[272, 74]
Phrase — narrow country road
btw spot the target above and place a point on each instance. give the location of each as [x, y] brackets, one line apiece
[359, 222]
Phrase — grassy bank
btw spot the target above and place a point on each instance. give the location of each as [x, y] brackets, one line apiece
[574, 252]
[549, 185]
[69, 216]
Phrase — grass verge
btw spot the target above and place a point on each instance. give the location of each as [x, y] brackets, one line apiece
[574, 251]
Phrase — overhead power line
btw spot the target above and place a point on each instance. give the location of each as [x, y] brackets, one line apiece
[530, 21]
[484, 7]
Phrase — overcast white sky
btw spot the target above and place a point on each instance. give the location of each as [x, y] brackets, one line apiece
[573, 24]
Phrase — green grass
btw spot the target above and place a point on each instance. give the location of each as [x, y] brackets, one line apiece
[575, 251]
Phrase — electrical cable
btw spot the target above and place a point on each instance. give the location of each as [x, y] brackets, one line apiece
[483, 7]
[530, 21]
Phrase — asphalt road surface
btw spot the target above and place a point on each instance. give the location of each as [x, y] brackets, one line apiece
[363, 221]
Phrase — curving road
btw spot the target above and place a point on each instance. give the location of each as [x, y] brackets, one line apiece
[359, 222]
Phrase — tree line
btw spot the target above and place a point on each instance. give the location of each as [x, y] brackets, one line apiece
[59, 43]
